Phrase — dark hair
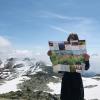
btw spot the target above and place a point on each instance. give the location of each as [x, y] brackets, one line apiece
[72, 36]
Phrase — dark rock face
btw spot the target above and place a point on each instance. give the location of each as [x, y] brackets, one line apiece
[90, 86]
[18, 66]
[9, 63]
[0, 62]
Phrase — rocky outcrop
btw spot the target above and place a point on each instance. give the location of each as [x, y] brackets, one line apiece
[39, 82]
[38, 95]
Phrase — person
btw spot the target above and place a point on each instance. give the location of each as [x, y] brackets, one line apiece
[72, 85]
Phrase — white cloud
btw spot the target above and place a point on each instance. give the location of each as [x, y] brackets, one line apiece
[83, 26]
[4, 42]
[7, 51]
[46, 14]
[39, 55]
[21, 53]
[58, 29]
[5, 47]
[70, 23]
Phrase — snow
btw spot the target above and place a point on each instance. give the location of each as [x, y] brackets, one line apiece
[55, 77]
[91, 87]
[94, 92]
[55, 87]
[12, 84]
[90, 93]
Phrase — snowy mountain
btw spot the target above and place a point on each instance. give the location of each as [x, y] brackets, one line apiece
[36, 76]
[15, 67]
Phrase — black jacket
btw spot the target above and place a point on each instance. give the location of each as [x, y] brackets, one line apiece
[72, 85]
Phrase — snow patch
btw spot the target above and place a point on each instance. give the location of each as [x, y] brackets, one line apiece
[90, 93]
[55, 87]
[12, 84]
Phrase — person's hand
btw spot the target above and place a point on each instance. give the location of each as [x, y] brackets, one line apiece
[49, 53]
[86, 57]
[78, 67]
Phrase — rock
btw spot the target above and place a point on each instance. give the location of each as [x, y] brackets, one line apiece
[18, 65]
[40, 95]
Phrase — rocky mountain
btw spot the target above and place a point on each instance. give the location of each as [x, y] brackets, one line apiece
[14, 67]
[29, 79]
[27, 75]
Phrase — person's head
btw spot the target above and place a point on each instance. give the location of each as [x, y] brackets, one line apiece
[72, 36]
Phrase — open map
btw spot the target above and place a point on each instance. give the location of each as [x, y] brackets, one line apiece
[67, 56]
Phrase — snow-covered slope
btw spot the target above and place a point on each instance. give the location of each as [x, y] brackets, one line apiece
[91, 88]
[14, 71]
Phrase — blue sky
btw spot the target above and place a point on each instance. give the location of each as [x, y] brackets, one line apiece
[29, 24]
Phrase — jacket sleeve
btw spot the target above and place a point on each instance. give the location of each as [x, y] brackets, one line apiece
[87, 65]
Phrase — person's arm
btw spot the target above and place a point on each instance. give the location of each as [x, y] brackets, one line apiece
[87, 65]
[86, 58]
